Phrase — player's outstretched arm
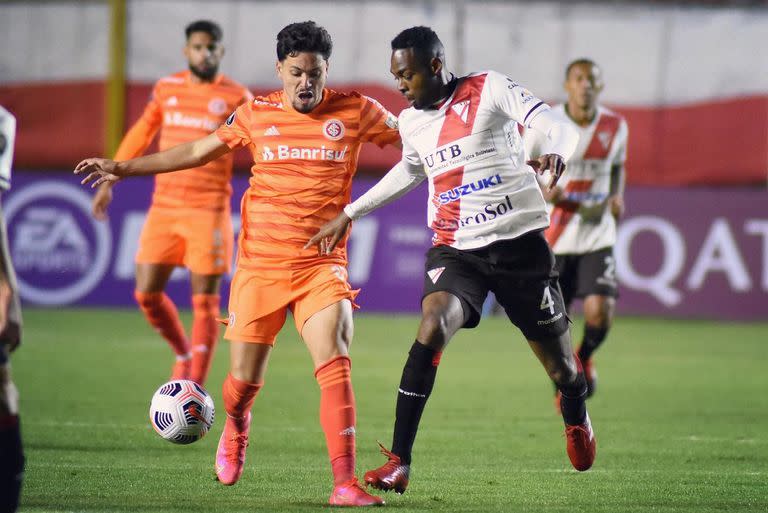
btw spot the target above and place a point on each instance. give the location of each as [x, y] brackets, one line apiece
[329, 235]
[398, 181]
[184, 156]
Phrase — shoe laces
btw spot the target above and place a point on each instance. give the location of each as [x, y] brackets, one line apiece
[576, 431]
[393, 460]
[239, 442]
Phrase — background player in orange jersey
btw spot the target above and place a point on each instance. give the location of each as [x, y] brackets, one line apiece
[188, 223]
[305, 141]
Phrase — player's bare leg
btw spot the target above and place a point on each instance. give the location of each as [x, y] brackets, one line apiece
[598, 317]
[162, 314]
[564, 368]
[442, 317]
[248, 365]
[328, 334]
[205, 327]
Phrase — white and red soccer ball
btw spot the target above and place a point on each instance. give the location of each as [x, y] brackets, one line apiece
[181, 411]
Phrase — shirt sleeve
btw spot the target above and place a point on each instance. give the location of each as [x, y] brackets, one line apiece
[377, 124]
[235, 132]
[140, 135]
[7, 137]
[402, 178]
[512, 99]
[621, 155]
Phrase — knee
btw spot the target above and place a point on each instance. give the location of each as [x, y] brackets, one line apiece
[434, 330]
[148, 300]
[564, 371]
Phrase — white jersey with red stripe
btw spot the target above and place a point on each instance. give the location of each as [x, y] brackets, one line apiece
[470, 148]
[582, 222]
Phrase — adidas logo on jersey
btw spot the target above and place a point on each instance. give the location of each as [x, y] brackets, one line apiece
[462, 110]
[172, 101]
[271, 131]
[434, 274]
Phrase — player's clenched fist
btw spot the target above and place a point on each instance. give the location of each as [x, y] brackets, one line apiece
[99, 171]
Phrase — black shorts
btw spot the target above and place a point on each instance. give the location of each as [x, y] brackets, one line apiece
[588, 274]
[520, 272]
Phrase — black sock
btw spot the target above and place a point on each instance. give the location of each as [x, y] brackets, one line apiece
[11, 463]
[572, 402]
[415, 386]
[593, 337]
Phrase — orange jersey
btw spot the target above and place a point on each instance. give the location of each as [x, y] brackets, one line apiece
[302, 172]
[187, 111]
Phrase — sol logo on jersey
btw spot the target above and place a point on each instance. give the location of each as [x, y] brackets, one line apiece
[333, 129]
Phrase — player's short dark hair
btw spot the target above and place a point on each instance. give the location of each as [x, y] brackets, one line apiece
[306, 36]
[423, 41]
[578, 62]
[207, 26]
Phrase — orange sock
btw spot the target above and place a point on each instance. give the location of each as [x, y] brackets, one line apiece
[163, 316]
[205, 334]
[238, 398]
[337, 416]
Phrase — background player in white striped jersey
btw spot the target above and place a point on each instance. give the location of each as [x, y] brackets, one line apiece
[488, 217]
[586, 205]
[11, 452]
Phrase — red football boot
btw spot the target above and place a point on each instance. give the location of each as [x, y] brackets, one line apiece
[351, 494]
[393, 475]
[230, 455]
[581, 445]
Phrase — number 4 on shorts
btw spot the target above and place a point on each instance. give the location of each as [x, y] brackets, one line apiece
[546, 300]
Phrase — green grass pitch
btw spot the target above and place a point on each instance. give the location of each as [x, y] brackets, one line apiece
[681, 417]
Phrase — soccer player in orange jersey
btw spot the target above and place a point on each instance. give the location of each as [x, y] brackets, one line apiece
[188, 223]
[305, 141]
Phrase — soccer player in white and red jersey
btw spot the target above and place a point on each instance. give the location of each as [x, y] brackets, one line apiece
[189, 222]
[11, 450]
[305, 141]
[586, 204]
[488, 217]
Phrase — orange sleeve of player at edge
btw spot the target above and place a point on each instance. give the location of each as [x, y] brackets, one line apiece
[136, 140]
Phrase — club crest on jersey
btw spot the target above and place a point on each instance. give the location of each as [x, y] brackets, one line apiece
[333, 129]
[605, 138]
[462, 110]
[217, 106]
[434, 274]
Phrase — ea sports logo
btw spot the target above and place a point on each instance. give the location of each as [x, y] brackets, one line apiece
[60, 253]
[333, 129]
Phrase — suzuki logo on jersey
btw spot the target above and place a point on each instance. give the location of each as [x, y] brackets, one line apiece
[468, 188]
[462, 110]
[461, 152]
[179, 119]
[322, 153]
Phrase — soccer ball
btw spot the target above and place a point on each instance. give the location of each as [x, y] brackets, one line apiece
[181, 411]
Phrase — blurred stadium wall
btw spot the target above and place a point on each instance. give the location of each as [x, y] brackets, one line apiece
[690, 77]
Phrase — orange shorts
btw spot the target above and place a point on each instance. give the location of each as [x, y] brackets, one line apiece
[200, 240]
[260, 300]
